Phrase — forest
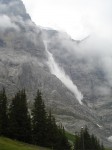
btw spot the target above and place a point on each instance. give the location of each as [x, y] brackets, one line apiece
[37, 126]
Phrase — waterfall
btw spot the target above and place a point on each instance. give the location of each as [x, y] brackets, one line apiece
[60, 74]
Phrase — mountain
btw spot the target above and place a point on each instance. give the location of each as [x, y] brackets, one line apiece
[75, 88]
[88, 73]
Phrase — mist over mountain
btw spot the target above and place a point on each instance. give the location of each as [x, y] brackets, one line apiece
[67, 72]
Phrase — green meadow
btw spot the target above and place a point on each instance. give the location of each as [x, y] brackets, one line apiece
[7, 144]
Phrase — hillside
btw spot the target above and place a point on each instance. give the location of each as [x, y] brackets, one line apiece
[7, 144]
[34, 58]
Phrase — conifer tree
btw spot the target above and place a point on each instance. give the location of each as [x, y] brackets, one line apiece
[39, 117]
[77, 142]
[56, 138]
[102, 147]
[3, 113]
[19, 119]
[85, 141]
[63, 141]
[51, 129]
[86, 135]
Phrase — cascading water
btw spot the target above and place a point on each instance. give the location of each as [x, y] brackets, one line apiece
[60, 74]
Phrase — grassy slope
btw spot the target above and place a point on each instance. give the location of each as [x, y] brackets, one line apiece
[7, 144]
[70, 137]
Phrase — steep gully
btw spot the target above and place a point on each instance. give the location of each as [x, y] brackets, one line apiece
[56, 70]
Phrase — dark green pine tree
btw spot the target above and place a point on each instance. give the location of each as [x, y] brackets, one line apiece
[63, 141]
[39, 121]
[3, 113]
[77, 142]
[51, 130]
[85, 141]
[102, 147]
[56, 138]
[19, 118]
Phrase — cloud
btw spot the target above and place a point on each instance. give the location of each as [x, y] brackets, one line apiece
[12, 14]
[92, 55]
[103, 90]
[12, 8]
[77, 18]
[106, 65]
[5, 22]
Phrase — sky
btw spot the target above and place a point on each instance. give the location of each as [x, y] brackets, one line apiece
[79, 18]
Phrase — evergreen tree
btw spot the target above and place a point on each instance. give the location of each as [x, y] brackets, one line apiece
[3, 113]
[63, 141]
[45, 130]
[51, 130]
[56, 137]
[102, 147]
[39, 120]
[77, 142]
[85, 141]
[19, 119]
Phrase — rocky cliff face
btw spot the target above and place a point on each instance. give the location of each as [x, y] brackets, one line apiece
[88, 74]
[24, 64]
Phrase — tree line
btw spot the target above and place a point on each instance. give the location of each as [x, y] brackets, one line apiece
[38, 127]
[85, 141]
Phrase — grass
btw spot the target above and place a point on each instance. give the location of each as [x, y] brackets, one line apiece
[70, 137]
[8, 144]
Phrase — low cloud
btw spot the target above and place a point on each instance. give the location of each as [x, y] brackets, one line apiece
[5, 22]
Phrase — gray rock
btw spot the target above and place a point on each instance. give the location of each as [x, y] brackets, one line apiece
[23, 64]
